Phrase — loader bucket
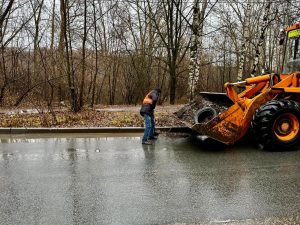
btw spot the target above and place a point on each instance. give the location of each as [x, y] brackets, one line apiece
[232, 124]
[217, 98]
[225, 128]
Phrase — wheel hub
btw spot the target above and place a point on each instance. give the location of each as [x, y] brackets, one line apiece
[285, 126]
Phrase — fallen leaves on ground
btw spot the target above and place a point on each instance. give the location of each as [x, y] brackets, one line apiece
[87, 118]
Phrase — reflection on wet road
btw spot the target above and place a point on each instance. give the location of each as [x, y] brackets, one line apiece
[116, 180]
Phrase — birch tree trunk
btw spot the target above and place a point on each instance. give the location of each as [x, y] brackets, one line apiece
[194, 68]
[244, 41]
[196, 45]
[261, 40]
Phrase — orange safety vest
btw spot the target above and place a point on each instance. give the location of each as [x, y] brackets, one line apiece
[147, 99]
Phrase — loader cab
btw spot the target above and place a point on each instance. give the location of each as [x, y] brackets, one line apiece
[292, 50]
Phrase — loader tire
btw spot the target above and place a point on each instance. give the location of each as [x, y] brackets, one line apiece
[205, 115]
[275, 125]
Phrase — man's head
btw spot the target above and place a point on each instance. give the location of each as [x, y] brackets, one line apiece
[157, 90]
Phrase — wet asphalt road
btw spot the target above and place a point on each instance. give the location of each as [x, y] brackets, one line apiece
[116, 180]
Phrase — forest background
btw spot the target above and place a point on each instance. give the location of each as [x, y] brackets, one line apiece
[83, 53]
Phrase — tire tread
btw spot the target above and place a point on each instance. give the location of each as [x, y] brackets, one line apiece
[262, 123]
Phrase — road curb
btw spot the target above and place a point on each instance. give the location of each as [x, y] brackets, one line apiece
[90, 130]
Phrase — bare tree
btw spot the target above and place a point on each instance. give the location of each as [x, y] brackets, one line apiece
[170, 26]
[66, 42]
[8, 33]
[5, 12]
[84, 39]
[112, 52]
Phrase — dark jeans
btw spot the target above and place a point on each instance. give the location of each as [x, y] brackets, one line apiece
[153, 126]
[149, 127]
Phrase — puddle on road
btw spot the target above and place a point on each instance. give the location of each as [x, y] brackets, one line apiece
[36, 138]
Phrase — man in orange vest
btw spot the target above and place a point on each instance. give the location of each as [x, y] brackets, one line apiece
[147, 111]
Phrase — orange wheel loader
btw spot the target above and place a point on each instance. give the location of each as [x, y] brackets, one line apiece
[269, 105]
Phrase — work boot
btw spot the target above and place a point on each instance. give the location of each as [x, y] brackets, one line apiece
[153, 138]
[148, 142]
